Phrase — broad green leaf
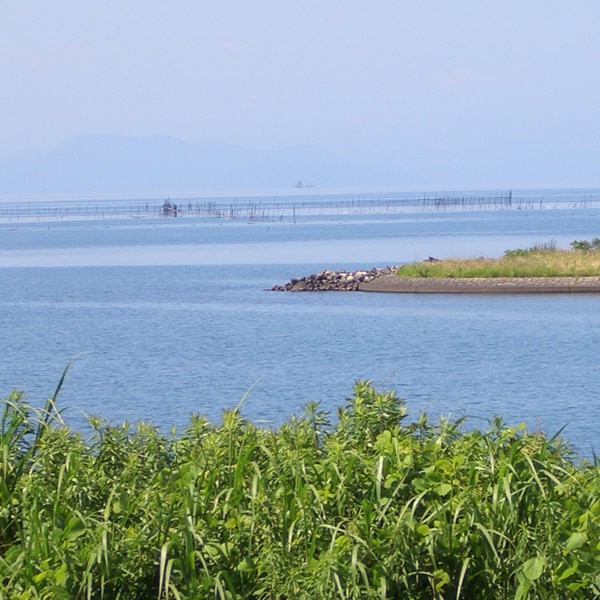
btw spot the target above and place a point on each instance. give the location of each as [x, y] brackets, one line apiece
[578, 539]
[443, 489]
[568, 572]
[74, 529]
[534, 567]
[575, 586]
[60, 575]
[245, 565]
[40, 577]
[384, 441]
[522, 590]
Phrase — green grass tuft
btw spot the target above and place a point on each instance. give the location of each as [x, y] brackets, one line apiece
[544, 260]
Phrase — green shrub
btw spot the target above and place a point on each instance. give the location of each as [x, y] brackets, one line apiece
[586, 246]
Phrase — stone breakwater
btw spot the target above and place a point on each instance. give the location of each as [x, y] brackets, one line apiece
[334, 281]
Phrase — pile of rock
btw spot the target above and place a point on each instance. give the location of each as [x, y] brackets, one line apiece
[333, 281]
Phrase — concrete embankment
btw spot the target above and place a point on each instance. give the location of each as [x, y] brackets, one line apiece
[384, 280]
[496, 285]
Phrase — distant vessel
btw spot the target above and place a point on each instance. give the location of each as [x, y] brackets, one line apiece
[300, 185]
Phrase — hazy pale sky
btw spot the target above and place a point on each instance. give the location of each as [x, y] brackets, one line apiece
[505, 91]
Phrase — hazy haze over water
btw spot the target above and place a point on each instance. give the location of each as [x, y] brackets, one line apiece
[461, 95]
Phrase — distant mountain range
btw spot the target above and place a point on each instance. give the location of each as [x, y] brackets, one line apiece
[113, 164]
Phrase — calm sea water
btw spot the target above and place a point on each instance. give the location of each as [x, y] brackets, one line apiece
[162, 317]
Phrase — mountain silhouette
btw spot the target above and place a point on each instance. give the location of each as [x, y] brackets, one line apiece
[108, 164]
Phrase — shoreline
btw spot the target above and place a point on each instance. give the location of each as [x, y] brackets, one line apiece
[384, 280]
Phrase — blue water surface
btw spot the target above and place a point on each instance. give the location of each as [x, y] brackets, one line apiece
[162, 318]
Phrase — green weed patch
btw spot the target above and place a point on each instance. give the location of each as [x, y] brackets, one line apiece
[371, 507]
[542, 260]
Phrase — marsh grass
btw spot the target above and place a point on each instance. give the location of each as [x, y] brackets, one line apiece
[369, 508]
[539, 261]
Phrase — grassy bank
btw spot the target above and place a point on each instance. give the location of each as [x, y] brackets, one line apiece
[369, 508]
[545, 260]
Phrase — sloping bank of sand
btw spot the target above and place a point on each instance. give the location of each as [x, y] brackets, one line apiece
[481, 285]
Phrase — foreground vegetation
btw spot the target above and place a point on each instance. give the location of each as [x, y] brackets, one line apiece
[542, 260]
[372, 507]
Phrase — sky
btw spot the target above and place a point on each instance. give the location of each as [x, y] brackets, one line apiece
[464, 92]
